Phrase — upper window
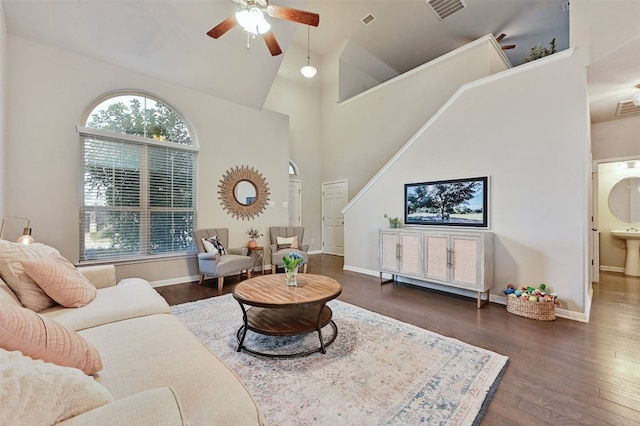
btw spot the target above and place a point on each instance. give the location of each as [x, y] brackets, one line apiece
[139, 180]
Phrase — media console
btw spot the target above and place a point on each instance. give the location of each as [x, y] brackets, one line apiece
[461, 259]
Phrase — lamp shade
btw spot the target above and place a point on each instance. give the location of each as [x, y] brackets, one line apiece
[252, 20]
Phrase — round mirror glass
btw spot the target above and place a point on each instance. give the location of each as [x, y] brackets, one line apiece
[245, 193]
[624, 200]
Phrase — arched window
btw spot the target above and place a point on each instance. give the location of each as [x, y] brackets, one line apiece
[139, 180]
[293, 168]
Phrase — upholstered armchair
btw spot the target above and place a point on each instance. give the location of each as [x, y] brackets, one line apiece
[282, 239]
[215, 264]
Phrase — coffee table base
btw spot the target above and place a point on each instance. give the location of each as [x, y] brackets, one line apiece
[286, 322]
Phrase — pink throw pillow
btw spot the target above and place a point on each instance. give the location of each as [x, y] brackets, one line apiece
[294, 243]
[42, 338]
[60, 280]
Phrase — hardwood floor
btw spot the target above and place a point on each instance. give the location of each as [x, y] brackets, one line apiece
[560, 372]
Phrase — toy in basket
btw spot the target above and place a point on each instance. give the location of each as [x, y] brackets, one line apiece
[531, 302]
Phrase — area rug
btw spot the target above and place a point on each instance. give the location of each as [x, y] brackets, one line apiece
[378, 371]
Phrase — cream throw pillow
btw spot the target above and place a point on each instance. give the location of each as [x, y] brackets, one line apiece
[60, 280]
[28, 292]
[42, 338]
[34, 392]
[290, 242]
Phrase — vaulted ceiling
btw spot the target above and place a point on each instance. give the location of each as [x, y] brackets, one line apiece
[167, 38]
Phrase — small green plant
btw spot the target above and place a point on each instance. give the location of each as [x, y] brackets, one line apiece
[292, 260]
[254, 233]
[538, 51]
[394, 222]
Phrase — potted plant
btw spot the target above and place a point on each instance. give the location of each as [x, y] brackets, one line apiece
[254, 234]
[291, 263]
[394, 222]
[537, 52]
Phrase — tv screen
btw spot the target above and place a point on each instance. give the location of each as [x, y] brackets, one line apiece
[457, 202]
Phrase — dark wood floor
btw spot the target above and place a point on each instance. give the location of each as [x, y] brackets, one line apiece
[560, 372]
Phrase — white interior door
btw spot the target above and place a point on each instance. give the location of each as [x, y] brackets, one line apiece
[334, 198]
[295, 202]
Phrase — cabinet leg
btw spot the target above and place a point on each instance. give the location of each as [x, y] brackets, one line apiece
[393, 279]
[480, 303]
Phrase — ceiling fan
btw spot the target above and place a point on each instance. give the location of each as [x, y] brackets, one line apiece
[505, 46]
[251, 18]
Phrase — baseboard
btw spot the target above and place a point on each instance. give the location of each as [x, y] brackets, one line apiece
[502, 300]
[612, 268]
[173, 281]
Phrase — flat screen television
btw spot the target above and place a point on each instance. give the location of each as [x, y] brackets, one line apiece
[456, 202]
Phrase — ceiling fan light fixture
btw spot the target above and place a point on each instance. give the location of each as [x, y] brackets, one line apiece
[252, 20]
[636, 99]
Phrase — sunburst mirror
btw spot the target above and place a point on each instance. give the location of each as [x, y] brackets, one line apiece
[244, 192]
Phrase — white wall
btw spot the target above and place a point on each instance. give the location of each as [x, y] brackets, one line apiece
[48, 91]
[533, 145]
[615, 139]
[361, 134]
[3, 91]
[299, 98]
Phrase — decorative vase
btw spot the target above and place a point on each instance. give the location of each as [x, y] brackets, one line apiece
[252, 244]
[292, 275]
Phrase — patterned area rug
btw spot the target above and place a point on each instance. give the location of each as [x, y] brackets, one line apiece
[379, 371]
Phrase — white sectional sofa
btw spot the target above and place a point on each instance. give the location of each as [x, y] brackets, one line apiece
[154, 368]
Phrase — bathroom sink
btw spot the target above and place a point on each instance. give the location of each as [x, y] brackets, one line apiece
[632, 239]
[626, 234]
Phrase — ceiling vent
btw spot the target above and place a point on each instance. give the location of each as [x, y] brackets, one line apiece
[626, 109]
[368, 19]
[445, 8]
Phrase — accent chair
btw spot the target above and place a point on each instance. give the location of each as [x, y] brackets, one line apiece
[282, 238]
[215, 264]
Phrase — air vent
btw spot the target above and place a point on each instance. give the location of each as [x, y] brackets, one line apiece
[368, 19]
[626, 109]
[445, 8]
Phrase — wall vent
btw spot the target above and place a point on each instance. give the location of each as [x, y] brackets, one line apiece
[445, 8]
[626, 109]
[368, 19]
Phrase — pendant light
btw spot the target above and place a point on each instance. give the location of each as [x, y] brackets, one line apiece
[308, 71]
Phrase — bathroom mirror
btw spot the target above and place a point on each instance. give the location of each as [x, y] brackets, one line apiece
[244, 192]
[624, 200]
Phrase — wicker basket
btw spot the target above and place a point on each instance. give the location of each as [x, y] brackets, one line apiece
[543, 311]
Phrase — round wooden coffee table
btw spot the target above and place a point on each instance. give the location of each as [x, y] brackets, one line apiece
[280, 310]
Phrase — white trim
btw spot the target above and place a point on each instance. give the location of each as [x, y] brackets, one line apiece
[606, 268]
[86, 131]
[464, 88]
[488, 38]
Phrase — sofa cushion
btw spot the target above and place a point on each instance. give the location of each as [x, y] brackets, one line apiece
[156, 351]
[34, 392]
[153, 407]
[28, 292]
[132, 297]
[39, 337]
[60, 280]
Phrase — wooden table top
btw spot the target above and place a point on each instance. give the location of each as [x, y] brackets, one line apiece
[272, 291]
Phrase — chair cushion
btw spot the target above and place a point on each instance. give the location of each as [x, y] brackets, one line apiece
[37, 392]
[60, 280]
[39, 337]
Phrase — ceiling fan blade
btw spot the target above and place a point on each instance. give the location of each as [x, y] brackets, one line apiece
[500, 37]
[295, 15]
[222, 27]
[508, 46]
[272, 44]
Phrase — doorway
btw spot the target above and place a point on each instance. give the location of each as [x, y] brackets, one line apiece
[611, 212]
[334, 198]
